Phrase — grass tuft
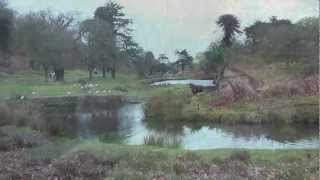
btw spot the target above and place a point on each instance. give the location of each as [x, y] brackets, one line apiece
[162, 140]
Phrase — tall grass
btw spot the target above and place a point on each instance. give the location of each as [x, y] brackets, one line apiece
[21, 114]
[162, 140]
[6, 114]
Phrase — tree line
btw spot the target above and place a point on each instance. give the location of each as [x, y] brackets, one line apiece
[55, 42]
[58, 41]
[279, 40]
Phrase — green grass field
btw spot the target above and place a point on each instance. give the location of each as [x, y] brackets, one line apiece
[32, 84]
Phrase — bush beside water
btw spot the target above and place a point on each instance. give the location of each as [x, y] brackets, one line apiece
[168, 105]
[26, 114]
[20, 114]
[177, 104]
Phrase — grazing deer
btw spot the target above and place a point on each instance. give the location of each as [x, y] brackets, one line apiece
[196, 89]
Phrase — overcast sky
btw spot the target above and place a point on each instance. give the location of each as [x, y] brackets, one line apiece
[163, 26]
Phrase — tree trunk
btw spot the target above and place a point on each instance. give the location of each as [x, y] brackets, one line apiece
[222, 71]
[104, 71]
[220, 76]
[90, 74]
[113, 71]
[59, 74]
[46, 73]
[90, 70]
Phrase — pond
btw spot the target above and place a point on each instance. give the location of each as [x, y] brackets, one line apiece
[127, 125]
[204, 83]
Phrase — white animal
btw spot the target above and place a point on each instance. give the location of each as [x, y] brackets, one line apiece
[52, 75]
[90, 85]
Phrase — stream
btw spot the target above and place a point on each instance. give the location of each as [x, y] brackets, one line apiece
[127, 125]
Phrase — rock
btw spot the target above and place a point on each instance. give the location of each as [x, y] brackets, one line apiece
[82, 82]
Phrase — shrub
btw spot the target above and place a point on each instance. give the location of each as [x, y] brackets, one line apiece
[17, 138]
[21, 114]
[147, 161]
[6, 115]
[243, 156]
[302, 69]
[190, 112]
[198, 105]
[189, 156]
[168, 105]
[127, 173]
[82, 82]
[27, 114]
[308, 114]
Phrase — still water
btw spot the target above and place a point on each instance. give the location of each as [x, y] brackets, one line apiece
[127, 125]
[204, 83]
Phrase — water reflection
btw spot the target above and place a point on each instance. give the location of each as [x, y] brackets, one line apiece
[281, 133]
[82, 121]
[127, 124]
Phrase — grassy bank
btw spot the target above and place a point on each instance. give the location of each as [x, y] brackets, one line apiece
[147, 162]
[269, 110]
[40, 146]
[178, 104]
[25, 153]
[266, 157]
